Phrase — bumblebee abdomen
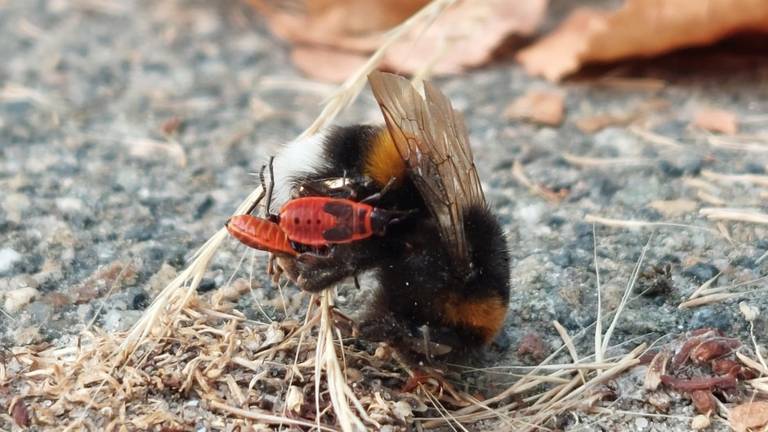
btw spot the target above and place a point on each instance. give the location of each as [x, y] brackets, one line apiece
[483, 317]
[382, 160]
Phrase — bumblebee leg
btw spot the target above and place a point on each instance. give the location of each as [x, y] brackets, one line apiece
[377, 196]
[337, 187]
[274, 270]
[501, 341]
[271, 182]
[286, 266]
[318, 272]
[383, 326]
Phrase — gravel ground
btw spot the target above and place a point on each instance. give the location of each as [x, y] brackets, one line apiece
[128, 131]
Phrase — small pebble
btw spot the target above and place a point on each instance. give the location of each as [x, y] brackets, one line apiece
[18, 298]
[701, 272]
[8, 257]
[710, 317]
[70, 205]
[700, 422]
[15, 204]
[207, 284]
[27, 335]
[641, 423]
[120, 320]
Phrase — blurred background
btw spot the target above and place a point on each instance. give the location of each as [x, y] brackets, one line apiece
[129, 131]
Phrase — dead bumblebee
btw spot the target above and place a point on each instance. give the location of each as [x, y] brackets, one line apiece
[447, 265]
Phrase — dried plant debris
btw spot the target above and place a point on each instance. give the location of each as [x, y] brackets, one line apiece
[590, 35]
[333, 38]
[749, 416]
[705, 366]
[213, 368]
[716, 120]
[539, 106]
[208, 366]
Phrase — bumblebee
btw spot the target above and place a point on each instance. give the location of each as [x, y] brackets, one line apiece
[445, 267]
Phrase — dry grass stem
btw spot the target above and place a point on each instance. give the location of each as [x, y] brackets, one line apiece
[740, 143]
[518, 172]
[655, 138]
[570, 345]
[749, 215]
[705, 286]
[629, 223]
[599, 319]
[625, 297]
[729, 179]
[592, 162]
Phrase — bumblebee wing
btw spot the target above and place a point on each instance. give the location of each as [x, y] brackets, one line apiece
[432, 139]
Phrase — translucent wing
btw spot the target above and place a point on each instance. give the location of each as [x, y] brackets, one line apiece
[432, 138]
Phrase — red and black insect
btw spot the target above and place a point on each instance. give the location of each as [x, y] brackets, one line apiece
[314, 221]
[261, 234]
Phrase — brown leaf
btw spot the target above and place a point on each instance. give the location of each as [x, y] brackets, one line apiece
[532, 347]
[716, 120]
[466, 35]
[327, 64]
[749, 415]
[713, 348]
[698, 383]
[539, 106]
[703, 401]
[347, 25]
[641, 28]
[329, 35]
[20, 413]
[599, 122]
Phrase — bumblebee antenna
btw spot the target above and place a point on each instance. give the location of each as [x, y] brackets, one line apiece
[261, 195]
[271, 182]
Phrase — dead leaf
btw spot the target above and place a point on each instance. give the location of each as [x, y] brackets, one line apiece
[20, 413]
[674, 208]
[748, 416]
[539, 106]
[641, 28]
[599, 122]
[703, 401]
[466, 35]
[332, 38]
[716, 120]
[326, 64]
[353, 26]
